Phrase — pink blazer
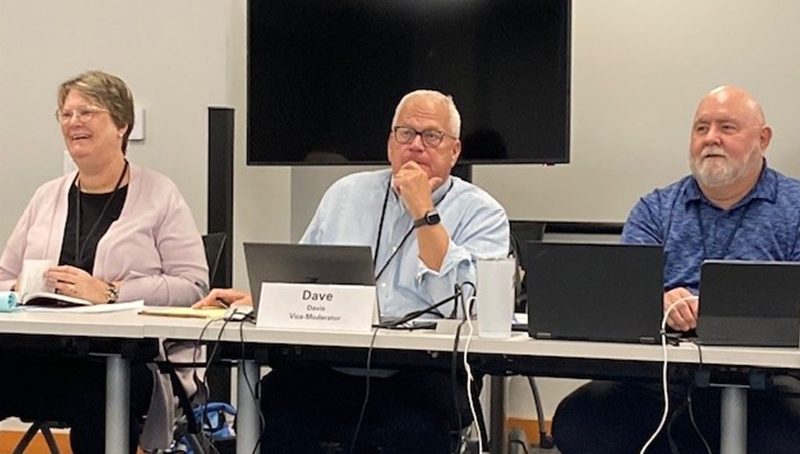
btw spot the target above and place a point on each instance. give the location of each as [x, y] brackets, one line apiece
[154, 247]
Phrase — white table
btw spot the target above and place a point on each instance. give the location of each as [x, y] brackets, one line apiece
[120, 326]
[129, 327]
[520, 345]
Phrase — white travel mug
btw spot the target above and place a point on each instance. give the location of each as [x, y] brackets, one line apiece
[495, 297]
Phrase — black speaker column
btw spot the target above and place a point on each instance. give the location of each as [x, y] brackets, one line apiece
[220, 219]
[220, 187]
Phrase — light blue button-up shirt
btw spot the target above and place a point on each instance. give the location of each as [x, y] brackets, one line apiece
[350, 214]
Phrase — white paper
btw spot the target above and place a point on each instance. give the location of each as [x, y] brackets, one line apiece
[321, 307]
[31, 279]
[93, 309]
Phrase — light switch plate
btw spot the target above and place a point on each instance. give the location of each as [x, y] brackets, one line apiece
[137, 133]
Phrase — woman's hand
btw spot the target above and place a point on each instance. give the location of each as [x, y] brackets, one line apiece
[224, 297]
[71, 281]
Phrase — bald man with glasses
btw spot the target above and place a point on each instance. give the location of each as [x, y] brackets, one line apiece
[426, 229]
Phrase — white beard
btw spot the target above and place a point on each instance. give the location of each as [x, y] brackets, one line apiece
[716, 172]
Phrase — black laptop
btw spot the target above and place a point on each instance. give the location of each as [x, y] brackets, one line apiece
[597, 292]
[307, 264]
[749, 304]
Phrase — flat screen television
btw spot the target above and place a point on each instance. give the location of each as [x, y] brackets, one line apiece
[324, 76]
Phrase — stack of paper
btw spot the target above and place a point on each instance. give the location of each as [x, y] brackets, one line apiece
[186, 312]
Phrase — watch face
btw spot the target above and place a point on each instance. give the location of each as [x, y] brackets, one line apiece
[112, 293]
[432, 218]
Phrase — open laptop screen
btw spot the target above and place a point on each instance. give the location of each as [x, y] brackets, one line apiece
[306, 264]
[601, 292]
[749, 303]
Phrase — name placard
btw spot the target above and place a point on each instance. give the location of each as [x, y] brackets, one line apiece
[320, 307]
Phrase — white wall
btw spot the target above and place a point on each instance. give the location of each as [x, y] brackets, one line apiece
[178, 57]
[172, 54]
[638, 70]
[262, 201]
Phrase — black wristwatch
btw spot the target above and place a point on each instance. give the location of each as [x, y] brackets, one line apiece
[430, 218]
[112, 293]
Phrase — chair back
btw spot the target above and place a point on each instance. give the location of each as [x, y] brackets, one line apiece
[572, 231]
[521, 233]
[214, 244]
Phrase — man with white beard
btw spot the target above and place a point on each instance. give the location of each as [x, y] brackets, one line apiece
[732, 207]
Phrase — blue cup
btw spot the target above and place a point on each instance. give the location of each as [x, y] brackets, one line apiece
[8, 301]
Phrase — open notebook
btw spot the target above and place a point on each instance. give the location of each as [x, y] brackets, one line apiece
[84, 308]
[48, 299]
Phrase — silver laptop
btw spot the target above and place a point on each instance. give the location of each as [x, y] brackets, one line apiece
[305, 264]
[749, 303]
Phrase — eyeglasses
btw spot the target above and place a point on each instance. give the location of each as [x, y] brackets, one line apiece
[430, 137]
[83, 114]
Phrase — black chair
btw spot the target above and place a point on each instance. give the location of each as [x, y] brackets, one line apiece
[218, 380]
[214, 244]
[521, 233]
[187, 427]
[35, 427]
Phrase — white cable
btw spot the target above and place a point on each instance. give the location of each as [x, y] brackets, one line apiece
[664, 371]
[470, 379]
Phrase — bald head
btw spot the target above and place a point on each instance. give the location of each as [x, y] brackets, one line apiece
[729, 139]
[736, 100]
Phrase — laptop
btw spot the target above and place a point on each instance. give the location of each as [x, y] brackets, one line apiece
[306, 264]
[749, 304]
[596, 292]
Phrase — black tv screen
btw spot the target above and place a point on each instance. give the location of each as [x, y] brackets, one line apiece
[324, 76]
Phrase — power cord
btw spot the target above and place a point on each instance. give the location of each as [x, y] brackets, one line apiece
[457, 294]
[466, 316]
[470, 378]
[664, 381]
[198, 427]
[204, 381]
[689, 401]
[209, 361]
[454, 366]
[419, 313]
[251, 387]
[366, 391]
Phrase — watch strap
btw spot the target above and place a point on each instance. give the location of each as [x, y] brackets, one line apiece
[429, 218]
[112, 293]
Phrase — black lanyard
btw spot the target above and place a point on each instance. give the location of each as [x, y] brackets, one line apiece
[405, 237]
[78, 248]
[731, 235]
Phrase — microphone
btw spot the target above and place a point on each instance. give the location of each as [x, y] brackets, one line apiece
[416, 314]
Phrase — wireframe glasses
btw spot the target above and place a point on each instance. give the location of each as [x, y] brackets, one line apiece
[83, 114]
[430, 137]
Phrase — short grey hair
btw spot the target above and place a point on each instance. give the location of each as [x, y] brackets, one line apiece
[438, 98]
[109, 92]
